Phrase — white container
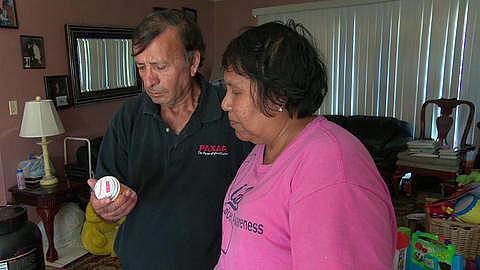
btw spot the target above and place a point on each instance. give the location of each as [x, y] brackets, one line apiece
[108, 187]
[20, 179]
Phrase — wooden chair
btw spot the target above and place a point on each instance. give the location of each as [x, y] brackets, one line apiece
[476, 163]
[421, 165]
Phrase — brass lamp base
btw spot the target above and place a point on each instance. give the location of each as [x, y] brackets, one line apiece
[48, 181]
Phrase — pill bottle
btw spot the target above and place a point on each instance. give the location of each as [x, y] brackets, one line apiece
[20, 240]
[108, 187]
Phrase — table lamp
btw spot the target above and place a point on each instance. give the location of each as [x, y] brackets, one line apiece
[40, 119]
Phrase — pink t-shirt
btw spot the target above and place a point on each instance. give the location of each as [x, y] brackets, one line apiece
[321, 205]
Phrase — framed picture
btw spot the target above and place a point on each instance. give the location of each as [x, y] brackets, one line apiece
[56, 88]
[8, 14]
[191, 12]
[33, 52]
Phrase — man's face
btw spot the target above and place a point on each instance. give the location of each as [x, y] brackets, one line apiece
[166, 75]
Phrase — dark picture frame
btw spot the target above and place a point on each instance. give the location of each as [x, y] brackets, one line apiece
[190, 12]
[33, 52]
[8, 14]
[80, 75]
[57, 89]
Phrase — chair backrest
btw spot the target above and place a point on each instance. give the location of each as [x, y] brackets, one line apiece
[444, 122]
[476, 163]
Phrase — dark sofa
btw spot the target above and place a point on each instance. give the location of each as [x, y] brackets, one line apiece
[384, 138]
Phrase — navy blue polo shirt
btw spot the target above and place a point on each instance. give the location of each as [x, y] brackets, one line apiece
[180, 180]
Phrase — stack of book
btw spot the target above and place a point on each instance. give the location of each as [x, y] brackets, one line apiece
[429, 155]
[423, 148]
[448, 153]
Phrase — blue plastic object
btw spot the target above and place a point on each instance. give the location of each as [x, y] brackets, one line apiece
[457, 262]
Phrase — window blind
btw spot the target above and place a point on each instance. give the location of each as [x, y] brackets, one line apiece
[386, 58]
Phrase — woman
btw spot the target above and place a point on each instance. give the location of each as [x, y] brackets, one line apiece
[309, 195]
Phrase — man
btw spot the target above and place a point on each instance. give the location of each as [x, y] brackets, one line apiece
[174, 148]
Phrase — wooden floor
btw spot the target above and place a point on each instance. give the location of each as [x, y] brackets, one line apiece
[92, 262]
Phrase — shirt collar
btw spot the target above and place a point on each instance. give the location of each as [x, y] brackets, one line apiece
[208, 104]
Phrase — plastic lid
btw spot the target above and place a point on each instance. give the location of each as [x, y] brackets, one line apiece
[12, 217]
[107, 186]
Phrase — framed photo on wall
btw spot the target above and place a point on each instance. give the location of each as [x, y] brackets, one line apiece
[33, 52]
[56, 88]
[8, 14]
[191, 12]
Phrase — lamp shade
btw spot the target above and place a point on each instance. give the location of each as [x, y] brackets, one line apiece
[40, 119]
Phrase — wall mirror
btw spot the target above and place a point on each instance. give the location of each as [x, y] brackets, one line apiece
[101, 63]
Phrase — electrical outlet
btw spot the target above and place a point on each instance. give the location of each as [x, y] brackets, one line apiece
[13, 107]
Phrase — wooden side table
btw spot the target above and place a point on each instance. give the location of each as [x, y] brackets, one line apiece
[400, 171]
[48, 200]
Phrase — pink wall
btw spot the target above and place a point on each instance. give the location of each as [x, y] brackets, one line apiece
[220, 22]
[47, 18]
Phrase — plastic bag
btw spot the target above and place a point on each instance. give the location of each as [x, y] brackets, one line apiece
[33, 168]
[67, 226]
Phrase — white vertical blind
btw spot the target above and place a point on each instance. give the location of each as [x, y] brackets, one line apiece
[100, 62]
[386, 58]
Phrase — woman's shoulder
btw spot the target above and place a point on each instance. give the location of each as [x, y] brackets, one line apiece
[321, 135]
[335, 156]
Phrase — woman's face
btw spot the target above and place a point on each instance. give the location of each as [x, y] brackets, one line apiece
[249, 122]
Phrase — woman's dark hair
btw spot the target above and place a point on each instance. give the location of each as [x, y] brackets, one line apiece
[156, 22]
[284, 65]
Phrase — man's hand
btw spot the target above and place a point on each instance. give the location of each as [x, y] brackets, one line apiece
[112, 210]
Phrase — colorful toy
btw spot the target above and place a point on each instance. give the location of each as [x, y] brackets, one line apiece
[473, 177]
[440, 208]
[429, 252]
[98, 235]
[403, 241]
[467, 209]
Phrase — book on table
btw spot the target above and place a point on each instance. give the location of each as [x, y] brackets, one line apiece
[423, 143]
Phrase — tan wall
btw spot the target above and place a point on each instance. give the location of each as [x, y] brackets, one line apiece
[220, 22]
[47, 18]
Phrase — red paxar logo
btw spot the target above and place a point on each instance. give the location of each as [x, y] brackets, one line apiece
[212, 150]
